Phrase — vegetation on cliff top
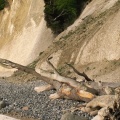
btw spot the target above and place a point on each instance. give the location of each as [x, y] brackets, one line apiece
[2, 4]
[59, 14]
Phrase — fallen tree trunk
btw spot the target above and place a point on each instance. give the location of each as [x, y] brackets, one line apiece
[66, 87]
[69, 88]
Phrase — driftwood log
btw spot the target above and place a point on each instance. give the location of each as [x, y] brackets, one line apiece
[99, 96]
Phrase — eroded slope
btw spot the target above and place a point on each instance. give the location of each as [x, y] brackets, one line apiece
[94, 37]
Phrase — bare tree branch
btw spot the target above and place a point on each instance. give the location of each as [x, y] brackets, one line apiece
[52, 66]
[7, 63]
[71, 90]
[79, 73]
[61, 14]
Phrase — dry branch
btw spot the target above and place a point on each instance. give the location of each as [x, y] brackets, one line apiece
[66, 87]
[69, 88]
[79, 73]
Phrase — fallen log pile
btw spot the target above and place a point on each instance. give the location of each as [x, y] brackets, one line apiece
[102, 98]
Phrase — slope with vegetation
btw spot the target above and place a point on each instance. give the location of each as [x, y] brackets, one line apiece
[87, 44]
[2, 4]
[59, 14]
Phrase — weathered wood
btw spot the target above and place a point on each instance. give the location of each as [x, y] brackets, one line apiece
[8, 64]
[77, 91]
[113, 113]
[79, 73]
[100, 85]
[108, 106]
[71, 89]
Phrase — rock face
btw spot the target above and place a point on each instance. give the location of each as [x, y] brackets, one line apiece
[93, 37]
[105, 42]
[23, 31]
[92, 42]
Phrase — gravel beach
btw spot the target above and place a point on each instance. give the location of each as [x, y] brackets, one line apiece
[22, 100]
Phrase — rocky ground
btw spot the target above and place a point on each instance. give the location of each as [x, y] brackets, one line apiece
[24, 103]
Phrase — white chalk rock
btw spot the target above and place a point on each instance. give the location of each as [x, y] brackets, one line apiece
[4, 117]
[98, 117]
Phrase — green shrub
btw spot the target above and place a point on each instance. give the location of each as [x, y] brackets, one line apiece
[2, 4]
[59, 14]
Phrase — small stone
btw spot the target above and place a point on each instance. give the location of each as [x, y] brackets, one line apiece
[25, 108]
[70, 116]
[2, 104]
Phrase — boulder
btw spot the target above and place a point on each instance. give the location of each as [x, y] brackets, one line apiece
[2, 104]
[70, 116]
[4, 117]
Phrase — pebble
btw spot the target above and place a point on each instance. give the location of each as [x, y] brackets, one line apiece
[70, 116]
[2, 104]
[18, 96]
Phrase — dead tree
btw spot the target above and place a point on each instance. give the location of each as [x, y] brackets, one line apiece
[65, 87]
[95, 93]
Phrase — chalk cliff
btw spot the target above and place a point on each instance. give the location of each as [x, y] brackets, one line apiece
[23, 31]
[92, 40]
